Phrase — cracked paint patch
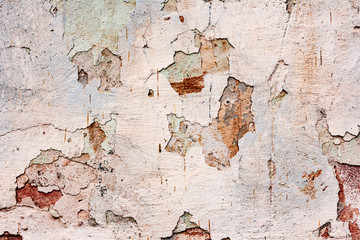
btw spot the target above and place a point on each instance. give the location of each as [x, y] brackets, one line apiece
[187, 230]
[186, 74]
[123, 227]
[9, 236]
[66, 174]
[65, 185]
[220, 138]
[214, 54]
[106, 69]
[336, 148]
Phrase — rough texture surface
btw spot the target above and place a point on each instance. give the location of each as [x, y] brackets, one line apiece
[180, 119]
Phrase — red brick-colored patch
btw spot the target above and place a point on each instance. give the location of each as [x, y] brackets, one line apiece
[189, 85]
[40, 199]
[354, 230]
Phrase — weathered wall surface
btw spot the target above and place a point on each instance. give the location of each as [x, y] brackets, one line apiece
[179, 120]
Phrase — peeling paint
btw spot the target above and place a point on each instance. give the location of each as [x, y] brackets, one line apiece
[252, 125]
[41, 200]
[187, 230]
[106, 69]
[234, 120]
[186, 74]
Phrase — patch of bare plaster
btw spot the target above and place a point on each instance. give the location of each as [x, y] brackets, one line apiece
[277, 81]
[220, 138]
[169, 6]
[87, 30]
[123, 227]
[66, 174]
[65, 185]
[47, 156]
[187, 230]
[106, 69]
[186, 74]
[337, 148]
[184, 135]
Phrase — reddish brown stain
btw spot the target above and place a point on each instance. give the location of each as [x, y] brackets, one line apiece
[9, 236]
[96, 136]
[309, 188]
[325, 234]
[167, 18]
[189, 85]
[40, 199]
[181, 18]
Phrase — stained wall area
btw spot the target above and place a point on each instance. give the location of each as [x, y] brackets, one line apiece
[179, 119]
